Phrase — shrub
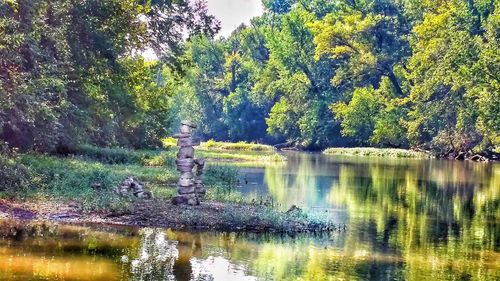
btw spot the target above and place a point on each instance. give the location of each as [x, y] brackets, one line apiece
[13, 176]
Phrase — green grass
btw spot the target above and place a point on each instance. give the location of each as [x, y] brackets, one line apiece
[56, 179]
[243, 152]
[379, 152]
[212, 145]
[44, 177]
[159, 158]
[242, 156]
[237, 146]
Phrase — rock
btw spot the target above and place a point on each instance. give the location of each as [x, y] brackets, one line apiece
[187, 175]
[193, 201]
[188, 123]
[185, 182]
[188, 142]
[294, 210]
[200, 164]
[185, 152]
[182, 136]
[186, 189]
[186, 129]
[179, 200]
[184, 169]
[144, 194]
[132, 185]
[185, 200]
[185, 162]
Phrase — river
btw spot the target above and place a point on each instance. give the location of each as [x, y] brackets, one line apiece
[406, 219]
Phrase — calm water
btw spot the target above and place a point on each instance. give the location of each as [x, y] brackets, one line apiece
[406, 220]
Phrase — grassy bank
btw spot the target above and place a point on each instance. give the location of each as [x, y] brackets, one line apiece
[372, 151]
[243, 152]
[253, 154]
[237, 146]
[46, 185]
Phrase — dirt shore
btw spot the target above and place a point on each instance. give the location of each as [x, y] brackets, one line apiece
[161, 213]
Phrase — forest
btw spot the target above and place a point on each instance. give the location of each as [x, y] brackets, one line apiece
[307, 73]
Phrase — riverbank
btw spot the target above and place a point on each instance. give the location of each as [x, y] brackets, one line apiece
[378, 152]
[408, 153]
[161, 213]
[81, 188]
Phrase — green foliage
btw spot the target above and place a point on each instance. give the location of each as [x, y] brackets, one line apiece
[70, 73]
[452, 79]
[169, 143]
[311, 73]
[358, 117]
[14, 176]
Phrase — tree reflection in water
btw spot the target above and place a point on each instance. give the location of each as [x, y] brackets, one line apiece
[160, 258]
[155, 258]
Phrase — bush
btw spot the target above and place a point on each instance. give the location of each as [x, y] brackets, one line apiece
[13, 176]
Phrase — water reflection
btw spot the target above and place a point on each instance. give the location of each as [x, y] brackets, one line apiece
[438, 218]
[155, 257]
[407, 220]
[93, 253]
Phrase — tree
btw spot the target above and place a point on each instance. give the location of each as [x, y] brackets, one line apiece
[66, 66]
[368, 38]
[452, 79]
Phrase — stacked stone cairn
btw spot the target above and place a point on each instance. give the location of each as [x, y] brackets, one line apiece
[130, 185]
[190, 187]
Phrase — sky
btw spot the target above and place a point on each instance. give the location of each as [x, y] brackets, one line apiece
[232, 13]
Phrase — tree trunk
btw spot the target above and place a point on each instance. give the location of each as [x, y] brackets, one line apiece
[395, 83]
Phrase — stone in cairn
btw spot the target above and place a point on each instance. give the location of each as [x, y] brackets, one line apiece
[199, 186]
[190, 190]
